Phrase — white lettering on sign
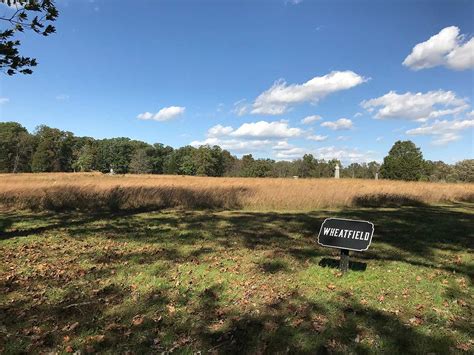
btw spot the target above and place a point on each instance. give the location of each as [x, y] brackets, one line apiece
[346, 233]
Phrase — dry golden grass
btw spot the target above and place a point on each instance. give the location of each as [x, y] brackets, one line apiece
[91, 191]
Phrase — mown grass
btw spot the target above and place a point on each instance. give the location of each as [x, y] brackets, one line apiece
[235, 282]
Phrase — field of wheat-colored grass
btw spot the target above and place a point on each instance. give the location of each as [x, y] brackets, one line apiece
[92, 191]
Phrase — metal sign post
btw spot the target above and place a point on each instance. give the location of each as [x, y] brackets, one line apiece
[346, 235]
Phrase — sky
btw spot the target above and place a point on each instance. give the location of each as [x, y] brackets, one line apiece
[277, 79]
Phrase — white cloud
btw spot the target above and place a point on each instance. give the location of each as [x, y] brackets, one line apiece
[343, 138]
[445, 48]
[278, 99]
[240, 107]
[444, 131]
[357, 114]
[462, 57]
[310, 119]
[4, 100]
[290, 154]
[237, 145]
[276, 129]
[317, 138]
[282, 145]
[379, 139]
[343, 154]
[419, 106]
[342, 123]
[165, 114]
[219, 130]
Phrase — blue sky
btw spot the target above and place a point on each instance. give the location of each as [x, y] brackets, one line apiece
[244, 74]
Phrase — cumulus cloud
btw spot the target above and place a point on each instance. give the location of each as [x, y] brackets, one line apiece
[4, 100]
[342, 123]
[282, 145]
[219, 130]
[416, 106]
[276, 129]
[344, 154]
[445, 48]
[278, 99]
[317, 137]
[236, 145]
[310, 119]
[443, 131]
[165, 114]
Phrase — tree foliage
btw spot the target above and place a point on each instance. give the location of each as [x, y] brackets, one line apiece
[50, 150]
[34, 15]
[403, 162]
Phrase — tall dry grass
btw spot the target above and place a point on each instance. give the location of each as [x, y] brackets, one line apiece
[96, 192]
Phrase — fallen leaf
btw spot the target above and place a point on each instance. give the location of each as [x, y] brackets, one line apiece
[171, 308]
[463, 346]
[70, 327]
[331, 287]
[137, 320]
[69, 349]
[381, 298]
[415, 321]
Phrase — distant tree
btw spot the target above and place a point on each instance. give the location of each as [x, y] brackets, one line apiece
[16, 148]
[464, 170]
[114, 153]
[141, 162]
[158, 157]
[230, 164]
[403, 162]
[439, 171]
[283, 169]
[373, 168]
[85, 158]
[34, 15]
[53, 151]
[180, 161]
[246, 166]
[307, 166]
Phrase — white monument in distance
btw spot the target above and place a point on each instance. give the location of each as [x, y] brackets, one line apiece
[336, 172]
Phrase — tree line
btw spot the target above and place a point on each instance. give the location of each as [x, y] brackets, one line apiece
[52, 150]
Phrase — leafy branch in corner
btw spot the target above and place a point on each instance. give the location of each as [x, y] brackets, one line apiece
[33, 15]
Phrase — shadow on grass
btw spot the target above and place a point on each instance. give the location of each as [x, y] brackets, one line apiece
[289, 323]
[386, 200]
[334, 264]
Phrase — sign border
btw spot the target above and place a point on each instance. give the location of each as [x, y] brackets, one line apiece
[346, 219]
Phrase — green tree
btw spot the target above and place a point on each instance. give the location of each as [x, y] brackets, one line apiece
[85, 158]
[180, 161]
[464, 170]
[141, 162]
[115, 153]
[21, 15]
[16, 148]
[159, 156]
[403, 162]
[54, 150]
[307, 166]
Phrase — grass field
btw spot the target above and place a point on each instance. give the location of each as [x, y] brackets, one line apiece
[238, 280]
[98, 192]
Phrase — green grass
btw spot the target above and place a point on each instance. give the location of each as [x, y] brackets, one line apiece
[235, 282]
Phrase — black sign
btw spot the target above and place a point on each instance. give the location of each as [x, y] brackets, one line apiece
[346, 234]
